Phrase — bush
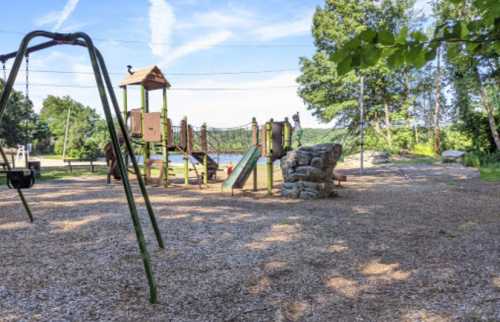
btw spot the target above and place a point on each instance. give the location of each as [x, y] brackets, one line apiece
[472, 160]
[423, 149]
[453, 139]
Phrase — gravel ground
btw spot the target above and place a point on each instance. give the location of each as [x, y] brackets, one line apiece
[406, 243]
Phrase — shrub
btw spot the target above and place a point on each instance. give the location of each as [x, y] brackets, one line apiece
[424, 149]
[453, 139]
[472, 160]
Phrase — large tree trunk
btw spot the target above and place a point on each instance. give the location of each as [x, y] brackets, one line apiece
[387, 117]
[437, 108]
[491, 117]
[485, 102]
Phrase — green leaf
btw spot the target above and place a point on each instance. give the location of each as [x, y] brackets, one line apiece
[430, 54]
[463, 30]
[420, 60]
[370, 56]
[413, 53]
[368, 35]
[471, 47]
[396, 59]
[344, 66]
[496, 46]
[453, 51]
[339, 55]
[419, 36]
[385, 37]
[353, 44]
[403, 34]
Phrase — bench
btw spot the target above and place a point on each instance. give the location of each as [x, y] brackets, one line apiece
[91, 163]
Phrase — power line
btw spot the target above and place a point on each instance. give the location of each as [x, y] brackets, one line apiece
[228, 45]
[269, 71]
[215, 89]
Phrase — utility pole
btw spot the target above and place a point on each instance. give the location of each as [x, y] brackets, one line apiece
[66, 133]
[361, 124]
[437, 106]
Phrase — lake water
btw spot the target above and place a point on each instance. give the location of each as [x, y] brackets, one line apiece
[222, 159]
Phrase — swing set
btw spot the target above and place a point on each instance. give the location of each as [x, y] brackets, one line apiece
[23, 178]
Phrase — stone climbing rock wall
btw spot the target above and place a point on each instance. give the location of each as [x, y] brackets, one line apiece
[308, 171]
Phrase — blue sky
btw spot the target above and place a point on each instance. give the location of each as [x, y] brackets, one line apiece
[200, 38]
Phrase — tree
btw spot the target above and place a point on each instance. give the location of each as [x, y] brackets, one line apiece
[87, 131]
[480, 67]
[480, 35]
[18, 120]
[332, 93]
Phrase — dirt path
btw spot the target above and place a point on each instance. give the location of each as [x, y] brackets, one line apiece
[398, 244]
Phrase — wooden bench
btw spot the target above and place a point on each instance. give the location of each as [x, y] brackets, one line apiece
[91, 163]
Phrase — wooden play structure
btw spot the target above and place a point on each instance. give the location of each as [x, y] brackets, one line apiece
[153, 130]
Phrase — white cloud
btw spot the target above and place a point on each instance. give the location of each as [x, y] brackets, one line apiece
[58, 17]
[234, 18]
[285, 29]
[162, 22]
[161, 25]
[202, 43]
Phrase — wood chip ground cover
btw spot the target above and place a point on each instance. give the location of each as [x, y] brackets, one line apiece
[402, 243]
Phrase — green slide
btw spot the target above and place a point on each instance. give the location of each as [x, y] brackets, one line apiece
[243, 169]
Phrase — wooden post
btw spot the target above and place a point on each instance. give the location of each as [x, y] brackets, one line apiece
[145, 154]
[186, 155]
[166, 134]
[204, 148]
[286, 135]
[255, 142]
[269, 154]
[125, 104]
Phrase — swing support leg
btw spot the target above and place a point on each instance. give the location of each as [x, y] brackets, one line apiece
[128, 144]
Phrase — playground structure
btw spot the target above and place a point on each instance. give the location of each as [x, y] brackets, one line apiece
[185, 138]
[202, 145]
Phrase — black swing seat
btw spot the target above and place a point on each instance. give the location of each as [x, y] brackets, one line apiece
[20, 178]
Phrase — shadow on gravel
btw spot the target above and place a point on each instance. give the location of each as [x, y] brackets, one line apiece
[398, 244]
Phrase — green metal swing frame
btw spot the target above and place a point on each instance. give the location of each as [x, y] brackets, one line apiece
[105, 89]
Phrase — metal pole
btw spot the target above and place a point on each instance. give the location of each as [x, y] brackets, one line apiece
[66, 133]
[362, 124]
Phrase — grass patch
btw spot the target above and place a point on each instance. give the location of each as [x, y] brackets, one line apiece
[415, 160]
[50, 156]
[490, 172]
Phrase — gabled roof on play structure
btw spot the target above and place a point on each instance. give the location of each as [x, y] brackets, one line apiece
[150, 77]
